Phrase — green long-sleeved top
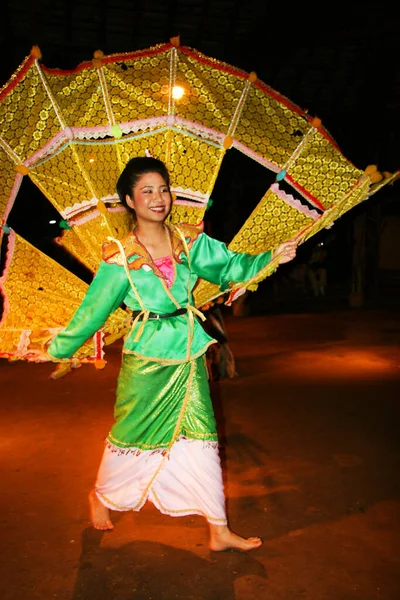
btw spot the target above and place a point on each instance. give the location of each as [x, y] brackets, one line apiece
[175, 339]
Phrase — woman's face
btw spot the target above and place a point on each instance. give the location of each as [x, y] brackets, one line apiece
[151, 198]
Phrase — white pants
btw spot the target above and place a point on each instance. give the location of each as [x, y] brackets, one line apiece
[185, 481]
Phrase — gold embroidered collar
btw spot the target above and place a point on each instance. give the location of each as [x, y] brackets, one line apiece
[133, 247]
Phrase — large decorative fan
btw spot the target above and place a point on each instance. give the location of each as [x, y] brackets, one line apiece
[72, 132]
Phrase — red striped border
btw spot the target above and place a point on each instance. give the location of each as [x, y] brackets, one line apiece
[17, 76]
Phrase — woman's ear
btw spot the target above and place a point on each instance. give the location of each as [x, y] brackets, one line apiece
[130, 201]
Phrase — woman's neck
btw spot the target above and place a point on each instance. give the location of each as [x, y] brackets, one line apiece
[155, 239]
[148, 232]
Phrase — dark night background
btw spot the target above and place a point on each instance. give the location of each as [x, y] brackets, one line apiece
[338, 61]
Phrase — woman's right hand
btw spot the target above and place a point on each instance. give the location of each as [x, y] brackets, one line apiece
[37, 356]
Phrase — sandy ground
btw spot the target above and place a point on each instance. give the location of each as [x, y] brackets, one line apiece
[311, 453]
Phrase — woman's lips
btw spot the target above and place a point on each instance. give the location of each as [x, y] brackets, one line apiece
[157, 209]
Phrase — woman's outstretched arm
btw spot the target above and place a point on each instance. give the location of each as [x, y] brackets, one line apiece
[105, 294]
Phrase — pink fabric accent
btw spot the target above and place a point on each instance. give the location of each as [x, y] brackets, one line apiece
[166, 266]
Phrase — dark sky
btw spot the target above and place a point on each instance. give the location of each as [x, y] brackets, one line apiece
[339, 62]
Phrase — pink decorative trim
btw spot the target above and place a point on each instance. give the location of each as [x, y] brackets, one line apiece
[111, 198]
[102, 131]
[190, 194]
[24, 341]
[13, 195]
[116, 209]
[235, 294]
[73, 211]
[17, 76]
[289, 199]
[85, 219]
[69, 212]
[192, 204]
[9, 255]
[52, 145]
[98, 340]
[198, 127]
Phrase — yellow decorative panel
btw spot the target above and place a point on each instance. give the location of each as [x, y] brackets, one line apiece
[85, 239]
[75, 245]
[271, 223]
[138, 87]
[131, 146]
[40, 293]
[356, 195]
[78, 95]
[211, 95]
[322, 170]
[63, 179]
[121, 221]
[27, 118]
[102, 164]
[40, 299]
[193, 163]
[191, 215]
[270, 128]
[206, 292]
[7, 178]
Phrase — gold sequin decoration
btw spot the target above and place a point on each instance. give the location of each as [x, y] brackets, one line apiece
[7, 176]
[73, 243]
[323, 171]
[27, 118]
[192, 215]
[271, 223]
[79, 97]
[62, 180]
[269, 128]
[85, 241]
[138, 88]
[210, 97]
[42, 295]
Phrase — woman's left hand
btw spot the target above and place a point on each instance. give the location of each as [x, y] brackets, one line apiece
[286, 251]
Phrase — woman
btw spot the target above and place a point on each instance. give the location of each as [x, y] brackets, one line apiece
[163, 444]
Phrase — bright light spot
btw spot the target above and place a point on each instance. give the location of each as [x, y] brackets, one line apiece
[178, 92]
[92, 160]
[52, 222]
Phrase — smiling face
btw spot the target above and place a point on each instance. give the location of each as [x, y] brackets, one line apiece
[151, 198]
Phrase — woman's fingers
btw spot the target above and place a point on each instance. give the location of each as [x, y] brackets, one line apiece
[287, 251]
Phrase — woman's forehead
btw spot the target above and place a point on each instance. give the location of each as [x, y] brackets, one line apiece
[150, 179]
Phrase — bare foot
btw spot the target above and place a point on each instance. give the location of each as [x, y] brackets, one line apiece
[222, 538]
[99, 514]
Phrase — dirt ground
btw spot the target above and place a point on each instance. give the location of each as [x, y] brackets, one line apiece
[311, 454]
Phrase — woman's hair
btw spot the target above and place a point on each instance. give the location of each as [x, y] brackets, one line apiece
[132, 172]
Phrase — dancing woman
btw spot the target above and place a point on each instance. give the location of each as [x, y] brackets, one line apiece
[163, 443]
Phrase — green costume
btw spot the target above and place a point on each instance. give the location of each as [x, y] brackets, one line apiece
[166, 342]
[163, 393]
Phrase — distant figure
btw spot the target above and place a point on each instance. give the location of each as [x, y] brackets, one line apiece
[316, 269]
[220, 359]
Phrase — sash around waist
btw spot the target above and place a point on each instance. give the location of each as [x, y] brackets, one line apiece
[152, 315]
